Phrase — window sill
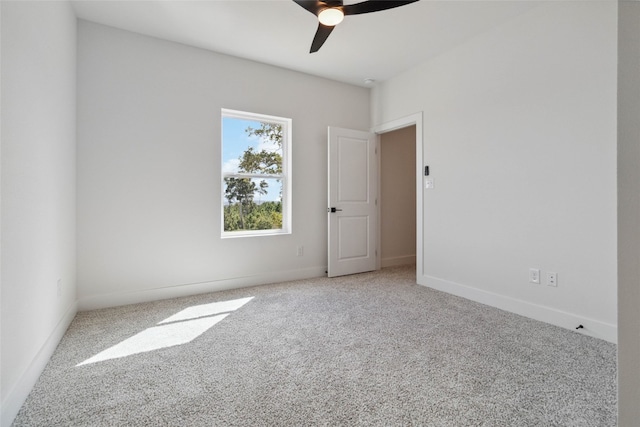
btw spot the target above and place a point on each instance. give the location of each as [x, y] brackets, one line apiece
[253, 233]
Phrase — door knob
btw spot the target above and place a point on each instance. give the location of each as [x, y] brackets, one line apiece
[334, 210]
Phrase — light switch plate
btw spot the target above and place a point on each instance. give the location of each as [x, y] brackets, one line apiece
[428, 183]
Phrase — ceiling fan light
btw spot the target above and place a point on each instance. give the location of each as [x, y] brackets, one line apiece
[331, 17]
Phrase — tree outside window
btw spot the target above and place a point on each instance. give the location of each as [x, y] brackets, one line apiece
[255, 174]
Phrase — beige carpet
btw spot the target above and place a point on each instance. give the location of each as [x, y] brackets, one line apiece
[369, 349]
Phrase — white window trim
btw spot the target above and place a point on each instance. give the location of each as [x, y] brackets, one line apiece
[285, 176]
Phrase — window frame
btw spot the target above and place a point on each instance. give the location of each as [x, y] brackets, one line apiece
[284, 177]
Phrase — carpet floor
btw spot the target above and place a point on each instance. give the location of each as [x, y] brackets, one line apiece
[370, 349]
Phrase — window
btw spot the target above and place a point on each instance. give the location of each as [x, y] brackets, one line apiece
[256, 177]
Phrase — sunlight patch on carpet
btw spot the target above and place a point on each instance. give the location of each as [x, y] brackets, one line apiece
[181, 328]
[207, 310]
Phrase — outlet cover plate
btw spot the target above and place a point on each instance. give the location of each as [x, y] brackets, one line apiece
[534, 275]
[552, 279]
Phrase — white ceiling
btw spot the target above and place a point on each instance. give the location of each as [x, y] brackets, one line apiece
[378, 45]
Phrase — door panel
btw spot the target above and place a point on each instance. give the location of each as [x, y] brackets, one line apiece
[353, 235]
[352, 191]
[353, 170]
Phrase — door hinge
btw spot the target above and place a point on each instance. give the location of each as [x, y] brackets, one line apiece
[376, 202]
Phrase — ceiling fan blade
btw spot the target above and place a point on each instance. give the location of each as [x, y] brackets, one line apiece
[320, 37]
[312, 6]
[373, 6]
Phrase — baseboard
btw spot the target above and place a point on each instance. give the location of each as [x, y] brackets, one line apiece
[398, 260]
[124, 298]
[16, 397]
[592, 327]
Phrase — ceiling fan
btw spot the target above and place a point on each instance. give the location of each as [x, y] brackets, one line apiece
[330, 13]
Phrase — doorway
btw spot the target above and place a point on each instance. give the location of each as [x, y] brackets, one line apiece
[371, 181]
[413, 121]
[397, 190]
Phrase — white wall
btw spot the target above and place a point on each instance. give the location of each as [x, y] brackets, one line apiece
[629, 213]
[149, 167]
[38, 190]
[520, 135]
[398, 197]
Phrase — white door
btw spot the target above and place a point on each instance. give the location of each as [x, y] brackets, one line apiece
[352, 211]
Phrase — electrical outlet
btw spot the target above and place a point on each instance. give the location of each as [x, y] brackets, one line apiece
[59, 287]
[552, 279]
[300, 251]
[534, 275]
